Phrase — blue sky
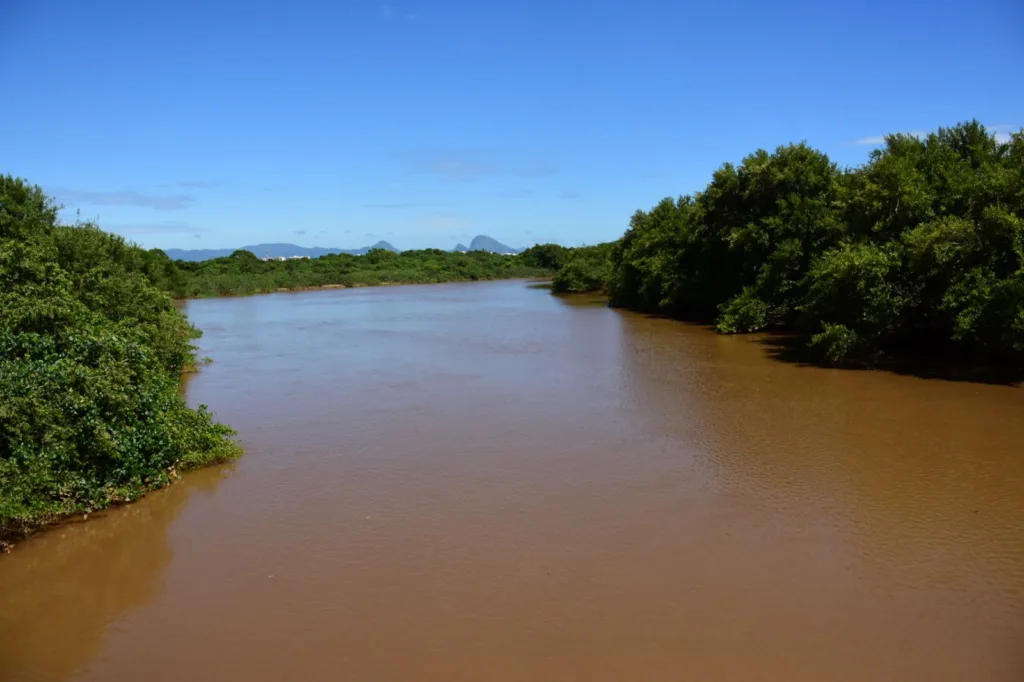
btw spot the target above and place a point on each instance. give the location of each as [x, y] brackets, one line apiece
[424, 122]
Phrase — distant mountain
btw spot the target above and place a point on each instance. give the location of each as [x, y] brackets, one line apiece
[277, 250]
[366, 249]
[482, 242]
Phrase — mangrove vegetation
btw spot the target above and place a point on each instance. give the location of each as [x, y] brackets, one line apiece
[918, 251]
[244, 273]
[91, 354]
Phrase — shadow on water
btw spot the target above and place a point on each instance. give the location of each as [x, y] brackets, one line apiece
[788, 348]
[62, 589]
[585, 300]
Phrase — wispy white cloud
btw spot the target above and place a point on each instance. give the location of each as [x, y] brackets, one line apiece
[300, 232]
[400, 204]
[569, 194]
[389, 12]
[516, 194]
[166, 227]
[167, 202]
[876, 140]
[192, 184]
[442, 221]
[455, 165]
[469, 165]
[537, 169]
[1003, 131]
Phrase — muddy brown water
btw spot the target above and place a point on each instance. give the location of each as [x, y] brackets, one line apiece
[486, 482]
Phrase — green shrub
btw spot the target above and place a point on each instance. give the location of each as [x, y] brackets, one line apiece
[90, 357]
[586, 269]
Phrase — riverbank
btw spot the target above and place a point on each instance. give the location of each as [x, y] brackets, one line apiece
[243, 273]
[91, 354]
[543, 277]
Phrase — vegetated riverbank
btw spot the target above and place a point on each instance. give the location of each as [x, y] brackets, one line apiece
[91, 354]
[242, 273]
[918, 251]
[331, 287]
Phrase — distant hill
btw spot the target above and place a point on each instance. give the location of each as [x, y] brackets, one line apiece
[277, 250]
[482, 242]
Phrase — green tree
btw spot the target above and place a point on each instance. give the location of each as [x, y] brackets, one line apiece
[90, 356]
[921, 249]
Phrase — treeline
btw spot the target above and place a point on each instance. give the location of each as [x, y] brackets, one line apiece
[91, 353]
[243, 273]
[920, 250]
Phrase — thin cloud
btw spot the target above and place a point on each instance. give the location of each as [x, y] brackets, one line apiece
[389, 12]
[192, 184]
[299, 232]
[470, 165]
[516, 194]
[400, 204]
[1003, 132]
[569, 194]
[456, 165]
[538, 169]
[442, 221]
[876, 140]
[166, 227]
[170, 202]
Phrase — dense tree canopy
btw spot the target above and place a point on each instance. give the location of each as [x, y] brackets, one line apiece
[919, 250]
[91, 350]
[586, 268]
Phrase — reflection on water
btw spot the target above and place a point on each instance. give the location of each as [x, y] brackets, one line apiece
[62, 590]
[486, 481]
[901, 497]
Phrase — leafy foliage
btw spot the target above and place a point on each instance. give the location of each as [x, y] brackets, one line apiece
[921, 249]
[545, 256]
[91, 350]
[586, 268]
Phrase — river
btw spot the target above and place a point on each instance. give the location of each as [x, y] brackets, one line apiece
[486, 482]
